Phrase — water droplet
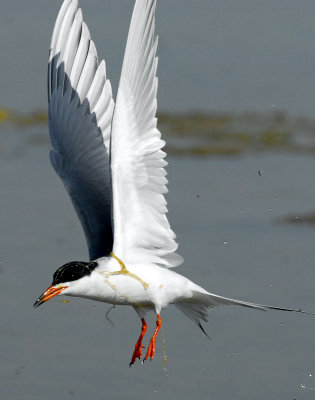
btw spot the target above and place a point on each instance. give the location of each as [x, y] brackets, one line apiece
[225, 242]
[269, 209]
[310, 374]
[234, 353]
[281, 323]
[303, 385]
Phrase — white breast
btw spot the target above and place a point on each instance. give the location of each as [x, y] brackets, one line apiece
[148, 286]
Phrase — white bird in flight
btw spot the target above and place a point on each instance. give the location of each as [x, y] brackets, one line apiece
[110, 159]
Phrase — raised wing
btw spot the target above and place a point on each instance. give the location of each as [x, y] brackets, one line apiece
[80, 116]
[141, 229]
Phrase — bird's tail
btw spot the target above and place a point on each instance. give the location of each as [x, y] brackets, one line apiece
[197, 307]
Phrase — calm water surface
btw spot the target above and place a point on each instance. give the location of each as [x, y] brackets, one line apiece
[230, 55]
[226, 218]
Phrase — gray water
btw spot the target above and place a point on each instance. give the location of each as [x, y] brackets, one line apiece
[227, 219]
[232, 55]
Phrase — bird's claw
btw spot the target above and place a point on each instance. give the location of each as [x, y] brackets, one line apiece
[137, 353]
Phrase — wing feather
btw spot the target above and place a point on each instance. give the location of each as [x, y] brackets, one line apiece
[80, 116]
[142, 231]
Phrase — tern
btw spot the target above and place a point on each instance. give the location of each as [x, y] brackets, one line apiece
[110, 159]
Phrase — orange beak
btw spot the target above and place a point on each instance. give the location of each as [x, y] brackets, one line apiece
[48, 294]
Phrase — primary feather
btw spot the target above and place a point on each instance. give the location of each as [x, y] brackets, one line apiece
[80, 115]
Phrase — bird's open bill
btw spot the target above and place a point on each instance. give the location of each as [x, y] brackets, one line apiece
[48, 294]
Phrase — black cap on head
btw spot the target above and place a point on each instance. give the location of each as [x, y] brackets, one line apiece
[73, 271]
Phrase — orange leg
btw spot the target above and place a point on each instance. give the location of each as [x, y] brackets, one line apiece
[138, 347]
[151, 349]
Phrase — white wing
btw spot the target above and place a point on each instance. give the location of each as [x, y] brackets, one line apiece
[80, 115]
[141, 229]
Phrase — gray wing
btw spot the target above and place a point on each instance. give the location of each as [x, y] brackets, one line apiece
[80, 116]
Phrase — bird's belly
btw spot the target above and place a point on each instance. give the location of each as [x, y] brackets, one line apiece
[148, 286]
[119, 289]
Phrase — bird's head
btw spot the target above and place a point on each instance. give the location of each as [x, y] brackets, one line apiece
[66, 278]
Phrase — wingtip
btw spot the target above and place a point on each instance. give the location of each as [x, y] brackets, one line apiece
[202, 328]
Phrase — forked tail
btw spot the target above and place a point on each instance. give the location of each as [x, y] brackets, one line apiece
[197, 307]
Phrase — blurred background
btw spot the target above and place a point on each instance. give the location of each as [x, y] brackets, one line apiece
[236, 100]
[214, 55]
